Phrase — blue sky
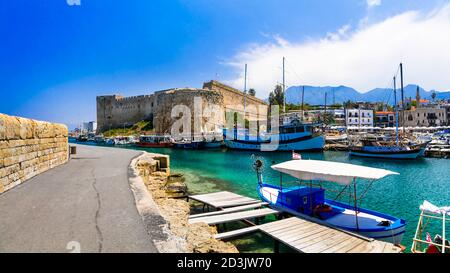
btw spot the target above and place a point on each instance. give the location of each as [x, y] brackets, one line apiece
[56, 58]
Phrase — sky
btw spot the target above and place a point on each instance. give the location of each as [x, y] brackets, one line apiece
[57, 56]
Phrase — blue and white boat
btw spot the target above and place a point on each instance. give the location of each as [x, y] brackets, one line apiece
[307, 199]
[292, 137]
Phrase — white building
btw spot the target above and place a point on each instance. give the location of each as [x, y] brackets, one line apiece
[90, 127]
[359, 118]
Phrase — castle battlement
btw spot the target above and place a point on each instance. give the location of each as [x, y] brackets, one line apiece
[114, 111]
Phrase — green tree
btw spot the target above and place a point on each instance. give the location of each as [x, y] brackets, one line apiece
[252, 92]
[276, 97]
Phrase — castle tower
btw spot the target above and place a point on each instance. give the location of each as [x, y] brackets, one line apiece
[418, 97]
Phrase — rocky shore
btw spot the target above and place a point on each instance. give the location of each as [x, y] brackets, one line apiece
[178, 235]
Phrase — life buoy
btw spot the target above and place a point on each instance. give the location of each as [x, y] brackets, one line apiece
[323, 208]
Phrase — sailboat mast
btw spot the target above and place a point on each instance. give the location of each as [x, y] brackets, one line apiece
[284, 90]
[303, 102]
[403, 97]
[396, 111]
[245, 91]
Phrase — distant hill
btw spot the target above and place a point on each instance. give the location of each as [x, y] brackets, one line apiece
[316, 95]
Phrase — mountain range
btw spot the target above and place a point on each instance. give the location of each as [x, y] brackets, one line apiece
[316, 95]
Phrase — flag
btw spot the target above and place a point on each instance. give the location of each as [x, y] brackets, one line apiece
[296, 156]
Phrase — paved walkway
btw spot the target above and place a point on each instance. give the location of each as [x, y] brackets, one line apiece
[86, 202]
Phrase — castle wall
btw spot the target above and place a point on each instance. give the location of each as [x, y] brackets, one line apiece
[212, 120]
[117, 111]
[29, 147]
[255, 109]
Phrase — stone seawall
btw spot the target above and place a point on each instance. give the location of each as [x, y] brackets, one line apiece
[165, 217]
[28, 148]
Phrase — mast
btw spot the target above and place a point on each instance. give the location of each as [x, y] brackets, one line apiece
[245, 90]
[396, 111]
[403, 97]
[284, 90]
[325, 109]
[303, 102]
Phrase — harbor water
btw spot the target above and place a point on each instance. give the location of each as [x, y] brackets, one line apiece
[399, 195]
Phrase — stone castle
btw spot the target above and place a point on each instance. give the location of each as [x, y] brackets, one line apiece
[115, 111]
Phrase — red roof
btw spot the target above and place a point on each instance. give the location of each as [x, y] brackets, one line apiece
[384, 113]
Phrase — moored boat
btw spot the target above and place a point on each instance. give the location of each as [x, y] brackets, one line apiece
[308, 200]
[298, 137]
[155, 141]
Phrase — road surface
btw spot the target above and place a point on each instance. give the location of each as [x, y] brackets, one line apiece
[85, 205]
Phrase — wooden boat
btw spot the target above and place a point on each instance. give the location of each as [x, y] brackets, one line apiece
[155, 141]
[293, 137]
[308, 200]
[397, 150]
[386, 150]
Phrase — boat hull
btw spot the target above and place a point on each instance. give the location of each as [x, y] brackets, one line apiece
[393, 234]
[154, 145]
[413, 154]
[301, 144]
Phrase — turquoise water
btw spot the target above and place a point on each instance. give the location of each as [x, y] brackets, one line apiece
[399, 195]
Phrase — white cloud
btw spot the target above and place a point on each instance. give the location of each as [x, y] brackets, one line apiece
[73, 2]
[373, 3]
[363, 58]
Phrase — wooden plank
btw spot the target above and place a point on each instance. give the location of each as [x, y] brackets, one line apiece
[218, 219]
[297, 229]
[326, 243]
[228, 210]
[312, 238]
[348, 243]
[362, 248]
[235, 233]
[234, 203]
[273, 226]
[308, 238]
[377, 247]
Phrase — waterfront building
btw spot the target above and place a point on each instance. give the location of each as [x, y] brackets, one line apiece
[90, 127]
[359, 117]
[426, 116]
[384, 119]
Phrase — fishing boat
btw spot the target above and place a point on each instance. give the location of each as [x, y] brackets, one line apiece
[306, 198]
[155, 141]
[190, 145]
[389, 149]
[297, 136]
[82, 138]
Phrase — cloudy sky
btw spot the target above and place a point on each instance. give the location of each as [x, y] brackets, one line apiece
[57, 56]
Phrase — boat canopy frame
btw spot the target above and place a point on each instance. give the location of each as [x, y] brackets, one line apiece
[424, 219]
[304, 172]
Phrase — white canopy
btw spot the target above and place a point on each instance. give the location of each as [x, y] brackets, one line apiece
[430, 208]
[341, 173]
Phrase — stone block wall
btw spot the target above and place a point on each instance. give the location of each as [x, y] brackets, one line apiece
[28, 148]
